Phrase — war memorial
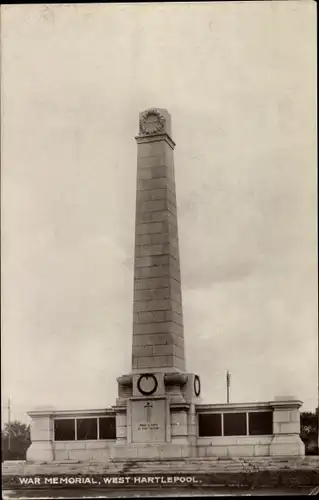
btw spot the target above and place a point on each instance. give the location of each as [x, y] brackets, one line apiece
[159, 423]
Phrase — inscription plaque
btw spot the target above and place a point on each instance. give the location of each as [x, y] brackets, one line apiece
[148, 421]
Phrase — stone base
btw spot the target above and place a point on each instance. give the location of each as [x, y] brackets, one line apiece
[283, 445]
[166, 426]
[152, 451]
[40, 451]
[287, 445]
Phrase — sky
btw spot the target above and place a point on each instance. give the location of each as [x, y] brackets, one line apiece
[239, 79]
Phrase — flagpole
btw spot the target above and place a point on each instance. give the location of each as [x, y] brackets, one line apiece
[9, 423]
[228, 385]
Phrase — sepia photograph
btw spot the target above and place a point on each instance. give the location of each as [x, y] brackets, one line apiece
[159, 270]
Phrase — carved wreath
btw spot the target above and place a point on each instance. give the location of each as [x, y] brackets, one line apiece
[147, 376]
[197, 385]
[159, 126]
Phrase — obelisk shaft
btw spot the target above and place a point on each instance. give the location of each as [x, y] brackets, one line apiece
[158, 337]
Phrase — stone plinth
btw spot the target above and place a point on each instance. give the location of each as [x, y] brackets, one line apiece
[286, 427]
[161, 425]
[41, 430]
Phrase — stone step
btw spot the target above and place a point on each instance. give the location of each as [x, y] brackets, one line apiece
[194, 465]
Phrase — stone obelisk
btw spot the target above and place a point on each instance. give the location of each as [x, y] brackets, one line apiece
[158, 337]
[155, 410]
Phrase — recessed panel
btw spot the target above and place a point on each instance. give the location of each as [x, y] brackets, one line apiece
[149, 421]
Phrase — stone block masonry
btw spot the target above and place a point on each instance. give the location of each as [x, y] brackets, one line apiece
[158, 336]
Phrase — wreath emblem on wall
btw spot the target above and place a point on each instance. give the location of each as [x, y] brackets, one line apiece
[197, 385]
[156, 127]
[147, 376]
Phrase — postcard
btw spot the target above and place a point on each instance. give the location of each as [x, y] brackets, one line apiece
[159, 249]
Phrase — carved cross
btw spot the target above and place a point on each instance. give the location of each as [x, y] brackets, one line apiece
[148, 407]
